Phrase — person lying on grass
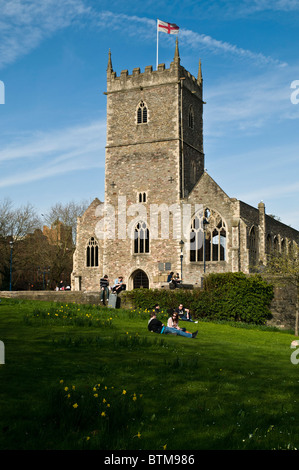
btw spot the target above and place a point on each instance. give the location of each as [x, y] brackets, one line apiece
[156, 326]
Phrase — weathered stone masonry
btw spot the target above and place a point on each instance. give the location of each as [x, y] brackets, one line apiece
[157, 159]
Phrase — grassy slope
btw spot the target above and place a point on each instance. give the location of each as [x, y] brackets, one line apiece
[230, 388]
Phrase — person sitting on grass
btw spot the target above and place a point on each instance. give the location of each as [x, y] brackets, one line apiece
[184, 313]
[156, 326]
[173, 320]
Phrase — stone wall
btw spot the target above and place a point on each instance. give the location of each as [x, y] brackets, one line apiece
[92, 298]
[283, 306]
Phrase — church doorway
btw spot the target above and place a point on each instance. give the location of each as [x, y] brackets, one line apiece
[140, 279]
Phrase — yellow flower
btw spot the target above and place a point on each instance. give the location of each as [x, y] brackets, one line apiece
[66, 389]
[103, 413]
[124, 392]
[134, 398]
[104, 400]
[87, 438]
[94, 389]
[108, 405]
[138, 435]
[69, 395]
[96, 395]
[75, 405]
[73, 387]
[164, 447]
[61, 382]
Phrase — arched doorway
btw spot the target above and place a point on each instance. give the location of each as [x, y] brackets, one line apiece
[140, 279]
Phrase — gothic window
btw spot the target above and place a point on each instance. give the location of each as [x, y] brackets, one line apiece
[191, 117]
[92, 253]
[252, 247]
[141, 197]
[268, 244]
[283, 246]
[142, 113]
[275, 245]
[208, 237]
[141, 238]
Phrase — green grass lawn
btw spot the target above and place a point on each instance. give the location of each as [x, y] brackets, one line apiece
[86, 377]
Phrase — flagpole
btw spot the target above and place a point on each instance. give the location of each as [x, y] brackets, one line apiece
[157, 45]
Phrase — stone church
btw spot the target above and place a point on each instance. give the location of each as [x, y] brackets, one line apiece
[162, 211]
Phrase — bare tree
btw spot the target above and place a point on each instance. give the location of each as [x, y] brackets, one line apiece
[66, 214]
[15, 225]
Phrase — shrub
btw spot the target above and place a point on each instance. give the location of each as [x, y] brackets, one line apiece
[225, 296]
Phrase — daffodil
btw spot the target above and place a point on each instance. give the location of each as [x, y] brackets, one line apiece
[103, 413]
[75, 405]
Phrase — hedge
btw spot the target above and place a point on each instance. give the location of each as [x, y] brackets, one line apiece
[225, 296]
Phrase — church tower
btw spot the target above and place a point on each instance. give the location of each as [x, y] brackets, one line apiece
[154, 132]
[154, 156]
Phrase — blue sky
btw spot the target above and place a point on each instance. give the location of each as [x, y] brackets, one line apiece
[53, 59]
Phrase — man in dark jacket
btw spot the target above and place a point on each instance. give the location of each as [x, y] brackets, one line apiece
[156, 326]
[104, 286]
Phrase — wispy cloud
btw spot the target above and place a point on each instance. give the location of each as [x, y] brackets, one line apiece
[24, 25]
[54, 153]
[247, 104]
[193, 40]
[254, 6]
[134, 25]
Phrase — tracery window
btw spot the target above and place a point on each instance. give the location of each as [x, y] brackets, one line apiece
[208, 237]
[141, 238]
[142, 113]
[92, 253]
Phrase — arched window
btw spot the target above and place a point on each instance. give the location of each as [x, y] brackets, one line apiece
[208, 237]
[142, 113]
[141, 238]
[253, 247]
[191, 117]
[283, 246]
[92, 253]
[141, 197]
[275, 244]
[268, 244]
